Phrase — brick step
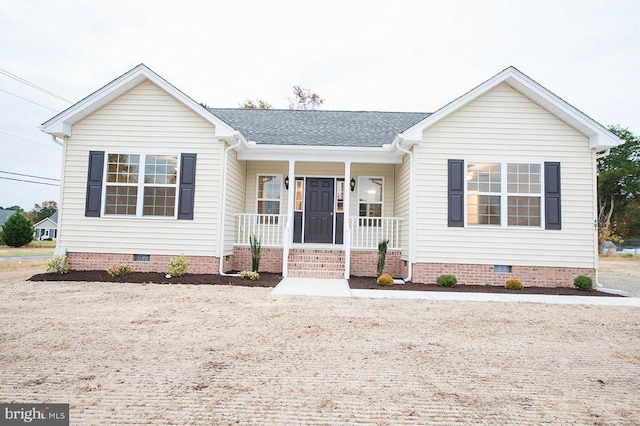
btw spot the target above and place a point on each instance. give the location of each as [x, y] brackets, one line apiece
[318, 263]
[316, 274]
[293, 266]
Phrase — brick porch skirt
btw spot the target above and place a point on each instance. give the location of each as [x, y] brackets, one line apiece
[270, 259]
[473, 274]
[156, 262]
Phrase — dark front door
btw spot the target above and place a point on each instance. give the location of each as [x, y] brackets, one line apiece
[318, 210]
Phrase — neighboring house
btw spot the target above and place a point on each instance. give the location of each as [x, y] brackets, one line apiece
[499, 183]
[47, 228]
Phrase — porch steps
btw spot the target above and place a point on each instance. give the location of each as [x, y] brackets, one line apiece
[316, 263]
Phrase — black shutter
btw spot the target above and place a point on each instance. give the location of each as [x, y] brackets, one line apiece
[456, 193]
[552, 214]
[94, 184]
[187, 186]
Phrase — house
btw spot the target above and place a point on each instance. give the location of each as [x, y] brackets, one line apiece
[500, 183]
[47, 228]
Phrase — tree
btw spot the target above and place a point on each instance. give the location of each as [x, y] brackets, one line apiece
[257, 104]
[305, 99]
[39, 212]
[17, 230]
[619, 189]
[16, 208]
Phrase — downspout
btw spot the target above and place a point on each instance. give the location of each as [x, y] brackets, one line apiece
[223, 205]
[55, 140]
[397, 142]
[59, 250]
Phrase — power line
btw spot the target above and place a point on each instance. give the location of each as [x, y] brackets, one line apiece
[31, 140]
[28, 100]
[31, 176]
[30, 181]
[35, 86]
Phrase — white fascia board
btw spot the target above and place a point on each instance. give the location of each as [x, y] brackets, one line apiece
[323, 154]
[61, 124]
[46, 219]
[599, 137]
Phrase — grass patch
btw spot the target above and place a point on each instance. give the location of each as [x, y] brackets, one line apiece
[31, 249]
[15, 265]
[628, 257]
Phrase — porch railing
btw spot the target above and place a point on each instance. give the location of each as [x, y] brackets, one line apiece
[267, 227]
[367, 232]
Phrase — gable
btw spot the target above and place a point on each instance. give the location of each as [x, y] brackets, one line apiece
[144, 110]
[599, 137]
[503, 113]
[61, 124]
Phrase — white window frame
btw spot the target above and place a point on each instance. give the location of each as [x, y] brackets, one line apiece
[258, 176]
[140, 185]
[372, 219]
[504, 195]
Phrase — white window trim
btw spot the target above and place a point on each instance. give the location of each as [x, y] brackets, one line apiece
[381, 202]
[257, 199]
[140, 185]
[504, 194]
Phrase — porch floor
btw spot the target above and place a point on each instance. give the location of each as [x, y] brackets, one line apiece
[313, 287]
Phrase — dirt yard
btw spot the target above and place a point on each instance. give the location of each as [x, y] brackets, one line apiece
[183, 354]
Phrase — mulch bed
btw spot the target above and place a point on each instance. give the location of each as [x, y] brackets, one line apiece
[271, 280]
[368, 283]
[266, 279]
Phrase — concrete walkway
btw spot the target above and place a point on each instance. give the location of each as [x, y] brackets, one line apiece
[340, 288]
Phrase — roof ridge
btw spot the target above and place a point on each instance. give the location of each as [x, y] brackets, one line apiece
[316, 110]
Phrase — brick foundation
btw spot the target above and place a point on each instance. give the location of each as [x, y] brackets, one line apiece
[364, 263]
[156, 263]
[473, 274]
[270, 259]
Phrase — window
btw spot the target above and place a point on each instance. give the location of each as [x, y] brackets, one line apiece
[299, 194]
[487, 195]
[340, 196]
[141, 185]
[160, 178]
[524, 194]
[370, 199]
[122, 184]
[269, 196]
[483, 193]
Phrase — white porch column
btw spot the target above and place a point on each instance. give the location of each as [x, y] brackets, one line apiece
[287, 235]
[346, 238]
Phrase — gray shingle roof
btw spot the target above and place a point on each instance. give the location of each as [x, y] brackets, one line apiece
[4, 215]
[318, 128]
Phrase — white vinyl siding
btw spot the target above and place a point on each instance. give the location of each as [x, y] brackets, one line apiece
[402, 176]
[236, 196]
[505, 126]
[145, 120]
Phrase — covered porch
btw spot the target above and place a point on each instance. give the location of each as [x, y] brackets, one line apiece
[323, 218]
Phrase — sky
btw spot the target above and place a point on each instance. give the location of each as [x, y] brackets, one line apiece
[396, 55]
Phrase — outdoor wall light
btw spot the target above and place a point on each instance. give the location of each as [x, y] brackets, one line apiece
[353, 184]
[286, 182]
